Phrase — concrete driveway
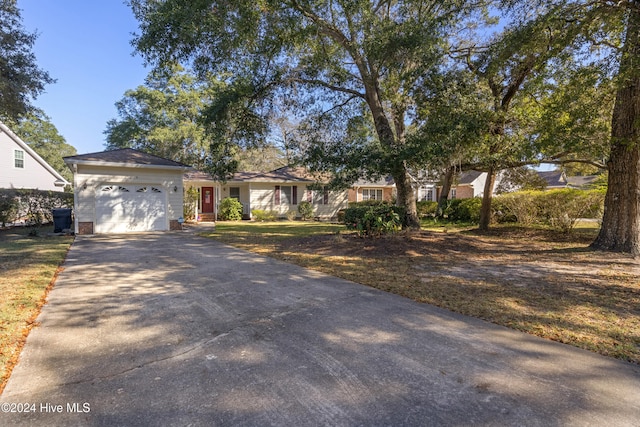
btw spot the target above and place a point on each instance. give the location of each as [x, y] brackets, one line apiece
[177, 330]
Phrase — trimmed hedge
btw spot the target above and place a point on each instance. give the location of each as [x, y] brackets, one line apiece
[31, 206]
[560, 209]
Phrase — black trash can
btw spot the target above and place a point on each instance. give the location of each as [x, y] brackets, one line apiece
[61, 219]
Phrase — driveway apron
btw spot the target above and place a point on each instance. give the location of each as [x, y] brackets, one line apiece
[172, 329]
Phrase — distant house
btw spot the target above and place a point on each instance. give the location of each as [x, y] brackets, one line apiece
[22, 167]
[362, 190]
[470, 184]
[554, 179]
[279, 191]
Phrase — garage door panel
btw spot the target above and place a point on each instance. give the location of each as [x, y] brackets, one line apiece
[121, 209]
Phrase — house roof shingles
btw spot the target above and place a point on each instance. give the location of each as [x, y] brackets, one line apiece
[467, 177]
[283, 174]
[127, 156]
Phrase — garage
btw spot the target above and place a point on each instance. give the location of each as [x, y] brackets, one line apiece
[126, 208]
[126, 190]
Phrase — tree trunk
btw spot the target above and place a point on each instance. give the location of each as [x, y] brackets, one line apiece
[405, 193]
[444, 191]
[487, 197]
[406, 197]
[620, 231]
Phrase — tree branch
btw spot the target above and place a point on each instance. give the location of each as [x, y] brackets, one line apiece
[322, 83]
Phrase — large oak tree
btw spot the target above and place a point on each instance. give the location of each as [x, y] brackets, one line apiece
[350, 57]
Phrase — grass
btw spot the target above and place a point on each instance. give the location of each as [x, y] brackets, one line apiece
[533, 280]
[28, 267]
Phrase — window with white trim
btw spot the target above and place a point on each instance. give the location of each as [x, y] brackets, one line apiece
[452, 193]
[321, 197]
[371, 194]
[286, 195]
[18, 159]
[234, 192]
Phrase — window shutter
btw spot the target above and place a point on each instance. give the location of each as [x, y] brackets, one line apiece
[277, 201]
[326, 196]
[294, 195]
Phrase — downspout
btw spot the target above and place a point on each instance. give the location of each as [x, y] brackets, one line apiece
[76, 191]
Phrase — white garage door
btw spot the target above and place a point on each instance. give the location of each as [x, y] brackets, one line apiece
[126, 208]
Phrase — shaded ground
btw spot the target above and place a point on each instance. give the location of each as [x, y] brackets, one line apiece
[538, 281]
[171, 329]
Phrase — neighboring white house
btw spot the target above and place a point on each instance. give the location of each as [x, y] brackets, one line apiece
[21, 167]
[126, 191]
[279, 191]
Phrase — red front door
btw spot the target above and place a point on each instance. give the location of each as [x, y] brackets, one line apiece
[207, 199]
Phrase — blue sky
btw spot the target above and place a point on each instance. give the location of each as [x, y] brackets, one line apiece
[85, 46]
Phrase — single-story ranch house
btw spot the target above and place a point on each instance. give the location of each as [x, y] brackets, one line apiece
[279, 191]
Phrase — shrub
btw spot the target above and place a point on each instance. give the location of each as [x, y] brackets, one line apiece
[427, 209]
[262, 215]
[305, 209]
[230, 209]
[521, 207]
[291, 215]
[8, 207]
[370, 203]
[375, 221]
[464, 210]
[33, 206]
[190, 204]
[561, 209]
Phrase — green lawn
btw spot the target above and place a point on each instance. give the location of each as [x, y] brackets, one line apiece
[28, 265]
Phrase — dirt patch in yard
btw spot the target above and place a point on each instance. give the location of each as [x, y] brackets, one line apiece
[537, 281]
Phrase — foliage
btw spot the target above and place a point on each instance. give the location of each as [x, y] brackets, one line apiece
[31, 206]
[21, 80]
[162, 117]
[464, 210]
[37, 130]
[305, 209]
[190, 204]
[370, 203]
[230, 209]
[372, 221]
[262, 215]
[9, 206]
[347, 70]
[427, 209]
[519, 207]
[520, 179]
[560, 209]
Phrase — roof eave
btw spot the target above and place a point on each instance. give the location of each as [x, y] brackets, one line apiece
[70, 161]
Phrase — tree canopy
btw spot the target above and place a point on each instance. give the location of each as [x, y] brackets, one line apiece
[343, 65]
[21, 80]
[398, 86]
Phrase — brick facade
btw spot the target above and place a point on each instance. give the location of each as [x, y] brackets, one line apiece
[85, 228]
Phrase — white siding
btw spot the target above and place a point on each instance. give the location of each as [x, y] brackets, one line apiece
[88, 180]
[33, 175]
